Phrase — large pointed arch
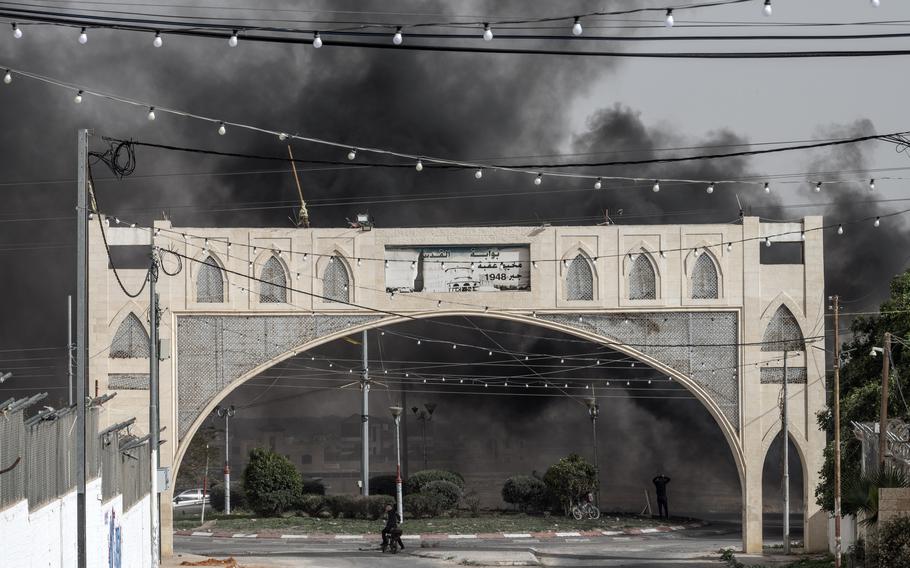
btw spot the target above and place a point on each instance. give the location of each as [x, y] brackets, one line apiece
[210, 281]
[273, 288]
[131, 341]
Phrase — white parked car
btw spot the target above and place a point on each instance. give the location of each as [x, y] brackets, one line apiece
[190, 497]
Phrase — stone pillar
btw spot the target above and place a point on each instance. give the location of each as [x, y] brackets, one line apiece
[752, 506]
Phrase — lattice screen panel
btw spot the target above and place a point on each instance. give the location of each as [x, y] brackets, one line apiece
[579, 280]
[214, 351]
[131, 341]
[210, 282]
[128, 381]
[273, 288]
[783, 332]
[775, 375]
[704, 279]
[642, 280]
[335, 282]
[701, 345]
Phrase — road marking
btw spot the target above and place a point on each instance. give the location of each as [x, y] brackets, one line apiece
[649, 530]
[462, 536]
[243, 535]
[568, 534]
[410, 537]
[578, 540]
[516, 535]
[201, 533]
[294, 536]
[348, 536]
[611, 533]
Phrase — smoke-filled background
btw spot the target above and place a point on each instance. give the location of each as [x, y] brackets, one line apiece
[502, 108]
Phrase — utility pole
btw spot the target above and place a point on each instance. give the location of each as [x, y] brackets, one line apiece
[154, 417]
[883, 418]
[835, 300]
[396, 415]
[69, 347]
[82, 212]
[594, 412]
[365, 420]
[227, 413]
[785, 437]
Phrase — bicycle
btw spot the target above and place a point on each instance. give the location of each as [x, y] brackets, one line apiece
[585, 508]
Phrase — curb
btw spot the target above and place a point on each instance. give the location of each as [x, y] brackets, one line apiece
[547, 535]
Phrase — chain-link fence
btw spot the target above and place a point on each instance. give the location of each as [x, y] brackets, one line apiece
[38, 459]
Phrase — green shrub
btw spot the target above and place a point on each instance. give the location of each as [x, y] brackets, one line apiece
[382, 485]
[892, 544]
[312, 487]
[570, 478]
[238, 498]
[271, 482]
[312, 505]
[447, 493]
[342, 506]
[422, 505]
[419, 479]
[356, 506]
[375, 505]
[526, 492]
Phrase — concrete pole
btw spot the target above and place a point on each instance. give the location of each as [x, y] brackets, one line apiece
[82, 211]
[396, 414]
[837, 536]
[154, 417]
[785, 436]
[365, 419]
[883, 418]
[69, 346]
[227, 459]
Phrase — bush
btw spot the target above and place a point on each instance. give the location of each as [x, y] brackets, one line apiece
[570, 478]
[342, 506]
[417, 481]
[312, 487]
[271, 483]
[357, 506]
[526, 492]
[447, 493]
[375, 505]
[422, 505]
[892, 546]
[238, 498]
[312, 505]
[382, 485]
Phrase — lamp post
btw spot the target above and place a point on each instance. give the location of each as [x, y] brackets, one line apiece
[396, 415]
[594, 412]
[226, 413]
[424, 415]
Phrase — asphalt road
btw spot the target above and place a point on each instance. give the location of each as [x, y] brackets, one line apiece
[695, 548]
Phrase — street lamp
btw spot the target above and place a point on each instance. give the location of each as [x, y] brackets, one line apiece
[424, 415]
[396, 415]
[226, 413]
[594, 412]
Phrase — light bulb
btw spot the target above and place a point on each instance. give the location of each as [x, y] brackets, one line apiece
[83, 37]
[669, 20]
[576, 27]
[419, 166]
[598, 184]
[397, 38]
[872, 185]
[283, 136]
[539, 179]
[767, 187]
[17, 33]
[487, 33]
[818, 187]
[478, 174]
[151, 114]
[767, 241]
[157, 42]
[656, 187]
[232, 41]
[317, 41]
[802, 235]
[221, 129]
[875, 3]
[352, 154]
[767, 8]
[8, 78]
[710, 188]
[78, 98]
[840, 229]
[878, 222]
[729, 247]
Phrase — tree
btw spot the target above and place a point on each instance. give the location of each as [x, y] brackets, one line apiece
[271, 482]
[860, 383]
[570, 478]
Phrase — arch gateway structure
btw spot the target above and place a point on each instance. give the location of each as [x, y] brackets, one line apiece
[701, 303]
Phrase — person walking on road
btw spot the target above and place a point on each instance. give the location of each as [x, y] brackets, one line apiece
[660, 485]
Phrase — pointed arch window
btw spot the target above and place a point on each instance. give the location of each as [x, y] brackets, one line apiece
[210, 282]
[642, 279]
[131, 340]
[273, 288]
[579, 279]
[783, 332]
[336, 282]
[704, 278]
